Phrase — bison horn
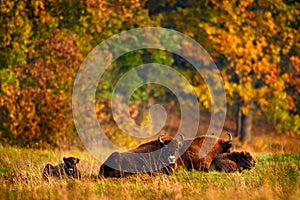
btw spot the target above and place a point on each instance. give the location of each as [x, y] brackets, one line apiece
[160, 139]
[181, 137]
[230, 137]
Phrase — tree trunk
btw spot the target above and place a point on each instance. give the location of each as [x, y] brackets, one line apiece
[238, 121]
[246, 122]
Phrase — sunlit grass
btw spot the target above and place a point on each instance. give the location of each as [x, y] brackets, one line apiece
[276, 176]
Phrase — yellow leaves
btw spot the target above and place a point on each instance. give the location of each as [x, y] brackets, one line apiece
[38, 5]
[6, 40]
[231, 30]
[209, 29]
[268, 14]
[278, 88]
[271, 74]
[246, 92]
[246, 3]
[285, 77]
[234, 17]
[263, 102]
[203, 95]
[261, 41]
[291, 102]
[245, 110]
[240, 51]
[230, 88]
[99, 107]
[288, 38]
[268, 79]
[264, 66]
[190, 34]
[7, 6]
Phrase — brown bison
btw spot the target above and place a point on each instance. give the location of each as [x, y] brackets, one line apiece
[233, 162]
[197, 154]
[155, 156]
[68, 167]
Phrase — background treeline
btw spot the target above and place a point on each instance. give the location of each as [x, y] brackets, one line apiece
[254, 43]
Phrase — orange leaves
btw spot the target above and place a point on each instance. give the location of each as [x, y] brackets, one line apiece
[296, 61]
[40, 106]
[268, 14]
[271, 75]
[244, 4]
[256, 40]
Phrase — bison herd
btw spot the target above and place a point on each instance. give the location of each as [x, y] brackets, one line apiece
[164, 155]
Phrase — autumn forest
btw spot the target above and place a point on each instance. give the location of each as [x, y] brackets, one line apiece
[254, 43]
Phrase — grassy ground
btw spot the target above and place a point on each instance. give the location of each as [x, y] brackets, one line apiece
[277, 176]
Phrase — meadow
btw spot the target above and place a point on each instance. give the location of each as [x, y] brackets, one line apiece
[276, 176]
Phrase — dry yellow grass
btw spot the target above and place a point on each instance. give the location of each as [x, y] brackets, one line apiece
[275, 177]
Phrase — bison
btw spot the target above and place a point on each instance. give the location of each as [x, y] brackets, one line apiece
[192, 149]
[233, 162]
[68, 167]
[158, 156]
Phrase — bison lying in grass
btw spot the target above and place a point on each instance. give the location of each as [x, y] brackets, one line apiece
[163, 156]
[155, 156]
[190, 155]
[233, 162]
[219, 158]
[68, 167]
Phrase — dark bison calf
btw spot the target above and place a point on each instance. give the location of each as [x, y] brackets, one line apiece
[155, 156]
[233, 162]
[190, 155]
[68, 167]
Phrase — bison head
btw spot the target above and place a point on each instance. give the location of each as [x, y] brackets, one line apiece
[245, 161]
[233, 162]
[212, 146]
[170, 148]
[169, 152]
[70, 165]
[226, 144]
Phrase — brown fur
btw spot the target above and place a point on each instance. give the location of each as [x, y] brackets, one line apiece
[139, 160]
[68, 167]
[233, 162]
[190, 159]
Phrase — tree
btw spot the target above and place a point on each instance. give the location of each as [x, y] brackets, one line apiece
[257, 38]
[42, 46]
[256, 46]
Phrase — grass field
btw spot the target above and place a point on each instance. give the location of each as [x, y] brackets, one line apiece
[276, 176]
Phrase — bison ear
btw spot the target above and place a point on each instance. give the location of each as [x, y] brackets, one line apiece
[77, 160]
[160, 139]
[65, 159]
